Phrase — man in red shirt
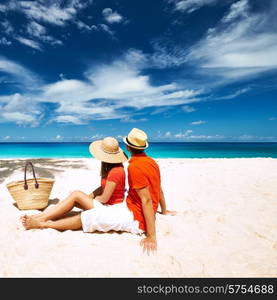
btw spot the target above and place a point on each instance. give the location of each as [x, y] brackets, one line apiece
[145, 191]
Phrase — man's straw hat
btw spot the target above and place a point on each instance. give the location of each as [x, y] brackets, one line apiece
[107, 150]
[136, 139]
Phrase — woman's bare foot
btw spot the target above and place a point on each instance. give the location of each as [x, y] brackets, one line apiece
[22, 217]
[30, 222]
[39, 217]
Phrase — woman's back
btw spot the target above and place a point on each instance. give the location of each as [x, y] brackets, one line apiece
[116, 175]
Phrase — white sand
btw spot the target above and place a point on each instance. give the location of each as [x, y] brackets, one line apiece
[226, 226]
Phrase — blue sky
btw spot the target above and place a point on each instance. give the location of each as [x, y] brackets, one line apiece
[182, 70]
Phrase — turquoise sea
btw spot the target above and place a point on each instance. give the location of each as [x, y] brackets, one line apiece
[155, 150]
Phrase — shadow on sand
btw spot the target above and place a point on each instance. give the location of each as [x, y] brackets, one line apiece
[50, 202]
[44, 167]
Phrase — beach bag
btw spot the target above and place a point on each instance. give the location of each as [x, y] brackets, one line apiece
[32, 193]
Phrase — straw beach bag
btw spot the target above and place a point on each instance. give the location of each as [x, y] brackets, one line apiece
[32, 193]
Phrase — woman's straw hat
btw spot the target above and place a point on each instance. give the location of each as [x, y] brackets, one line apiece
[136, 139]
[107, 150]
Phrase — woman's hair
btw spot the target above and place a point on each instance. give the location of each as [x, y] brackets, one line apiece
[106, 167]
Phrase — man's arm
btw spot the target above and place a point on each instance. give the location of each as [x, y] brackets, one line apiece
[162, 202]
[149, 243]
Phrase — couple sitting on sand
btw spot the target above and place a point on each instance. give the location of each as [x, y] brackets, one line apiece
[104, 209]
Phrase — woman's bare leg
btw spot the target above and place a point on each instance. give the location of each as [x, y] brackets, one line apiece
[76, 198]
[69, 223]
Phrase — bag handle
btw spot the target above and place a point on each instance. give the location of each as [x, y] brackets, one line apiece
[34, 175]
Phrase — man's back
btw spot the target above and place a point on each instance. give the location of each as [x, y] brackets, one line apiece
[143, 171]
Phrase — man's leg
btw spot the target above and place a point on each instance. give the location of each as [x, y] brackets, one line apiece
[69, 223]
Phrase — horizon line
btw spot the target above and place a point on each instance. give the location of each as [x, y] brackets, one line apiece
[167, 142]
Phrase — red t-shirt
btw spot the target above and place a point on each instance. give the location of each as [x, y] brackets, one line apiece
[116, 175]
[143, 171]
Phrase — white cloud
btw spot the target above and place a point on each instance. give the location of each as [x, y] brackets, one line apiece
[159, 110]
[2, 8]
[7, 26]
[83, 26]
[35, 29]
[237, 10]
[166, 54]
[59, 137]
[97, 136]
[21, 75]
[19, 118]
[183, 134]
[4, 41]
[112, 17]
[62, 89]
[254, 138]
[67, 119]
[164, 136]
[243, 44]
[54, 12]
[128, 119]
[28, 42]
[188, 136]
[105, 94]
[188, 108]
[235, 94]
[245, 137]
[106, 28]
[122, 82]
[200, 122]
[20, 110]
[38, 31]
[50, 12]
[100, 27]
[272, 119]
[7, 137]
[203, 137]
[190, 6]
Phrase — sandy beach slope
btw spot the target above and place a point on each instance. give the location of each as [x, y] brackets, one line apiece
[226, 224]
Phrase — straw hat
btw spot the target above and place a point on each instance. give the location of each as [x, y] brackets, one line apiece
[107, 150]
[136, 139]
